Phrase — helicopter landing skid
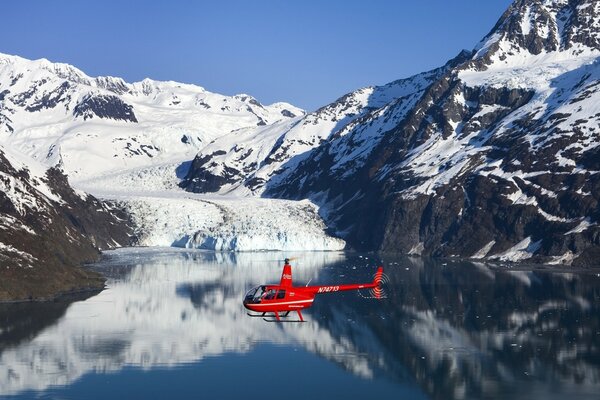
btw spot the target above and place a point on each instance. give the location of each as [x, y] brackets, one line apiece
[256, 315]
[282, 321]
[278, 317]
[264, 314]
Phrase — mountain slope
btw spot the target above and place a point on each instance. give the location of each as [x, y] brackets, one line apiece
[244, 160]
[498, 158]
[47, 230]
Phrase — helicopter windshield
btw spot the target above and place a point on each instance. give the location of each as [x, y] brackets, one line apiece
[255, 294]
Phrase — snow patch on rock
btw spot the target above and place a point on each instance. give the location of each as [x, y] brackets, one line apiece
[519, 252]
[484, 250]
[6, 248]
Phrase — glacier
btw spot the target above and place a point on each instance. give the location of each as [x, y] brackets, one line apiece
[166, 215]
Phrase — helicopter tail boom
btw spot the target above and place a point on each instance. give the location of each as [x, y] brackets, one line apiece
[357, 286]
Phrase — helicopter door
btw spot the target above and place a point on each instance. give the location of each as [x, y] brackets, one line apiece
[281, 294]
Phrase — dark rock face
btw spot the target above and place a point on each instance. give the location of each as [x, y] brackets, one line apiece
[115, 85]
[477, 170]
[43, 241]
[288, 113]
[580, 24]
[5, 121]
[102, 106]
[200, 179]
[52, 99]
[474, 210]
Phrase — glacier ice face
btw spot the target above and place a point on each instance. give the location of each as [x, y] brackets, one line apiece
[229, 224]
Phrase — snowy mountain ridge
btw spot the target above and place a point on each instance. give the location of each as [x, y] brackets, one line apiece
[58, 115]
[542, 26]
[244, 161]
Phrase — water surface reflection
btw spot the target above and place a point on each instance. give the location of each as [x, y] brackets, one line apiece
[446, 330]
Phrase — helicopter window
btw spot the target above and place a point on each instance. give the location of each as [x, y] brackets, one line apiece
[270, 294]
[250, 294]
[281, 294]
[259, 291]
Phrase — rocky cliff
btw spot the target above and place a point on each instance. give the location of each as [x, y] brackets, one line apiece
[47, 230]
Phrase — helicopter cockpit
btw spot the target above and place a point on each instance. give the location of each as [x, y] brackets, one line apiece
[259, 293]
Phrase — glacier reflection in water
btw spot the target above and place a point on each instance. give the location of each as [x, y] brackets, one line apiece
[447, 330]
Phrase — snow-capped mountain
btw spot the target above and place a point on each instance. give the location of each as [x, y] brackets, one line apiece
[90, 126]
[493, 155]
[498, 157]
[134, 142]
[244, 160]
[47, 230]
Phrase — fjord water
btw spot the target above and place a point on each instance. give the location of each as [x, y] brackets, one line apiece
[171, 325]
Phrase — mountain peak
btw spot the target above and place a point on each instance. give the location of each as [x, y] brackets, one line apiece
[543, 26]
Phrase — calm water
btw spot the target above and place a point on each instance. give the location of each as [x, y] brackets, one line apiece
[171, 325]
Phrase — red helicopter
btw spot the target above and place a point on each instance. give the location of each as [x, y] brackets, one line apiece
[284, 297]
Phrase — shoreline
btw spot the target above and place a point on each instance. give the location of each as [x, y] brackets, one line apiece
[58, 297]
[94, 281]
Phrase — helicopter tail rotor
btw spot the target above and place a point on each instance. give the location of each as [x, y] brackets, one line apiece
[380, 279]
[378, 276]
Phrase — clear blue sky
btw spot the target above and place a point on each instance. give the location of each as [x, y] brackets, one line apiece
[305, 52]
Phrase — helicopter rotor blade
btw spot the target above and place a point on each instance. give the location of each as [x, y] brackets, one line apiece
[281, 259]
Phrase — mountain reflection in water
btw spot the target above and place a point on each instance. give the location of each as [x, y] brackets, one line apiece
[446, 329]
